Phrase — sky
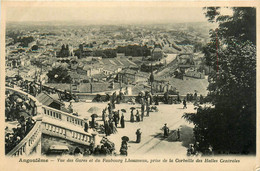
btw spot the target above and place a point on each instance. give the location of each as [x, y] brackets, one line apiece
[112, 14]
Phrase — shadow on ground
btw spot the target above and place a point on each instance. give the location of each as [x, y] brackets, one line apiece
[131, 141]
[186, 136]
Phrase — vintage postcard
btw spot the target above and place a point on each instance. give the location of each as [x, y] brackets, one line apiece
[149, 85]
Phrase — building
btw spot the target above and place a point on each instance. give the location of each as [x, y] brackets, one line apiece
[49, 100]
[157, 54]
[129, 76]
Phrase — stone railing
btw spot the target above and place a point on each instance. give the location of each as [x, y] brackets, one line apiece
[52, 122]
[68, 133]
[65, 125]
[63, 116]
[31, 143]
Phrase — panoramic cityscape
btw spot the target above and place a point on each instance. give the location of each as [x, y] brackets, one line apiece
[128, 89]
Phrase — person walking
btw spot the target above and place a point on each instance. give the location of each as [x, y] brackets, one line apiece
[122, 121]
[138, 135]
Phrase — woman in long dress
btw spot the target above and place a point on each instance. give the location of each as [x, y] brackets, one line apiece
[132, 119]
[137, 116]
[122, 121]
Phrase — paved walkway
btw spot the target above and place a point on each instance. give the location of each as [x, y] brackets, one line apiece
[152, 141]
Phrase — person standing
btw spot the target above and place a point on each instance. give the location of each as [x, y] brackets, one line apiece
[123, 149]
[122, 121]
[138, 135]
[103, 115]
[142, 116]
[107, 128]
[132, 119]
[137, 116]
[178, 135]
[147, 111]
[184, 104]
[165, 131]
[115, 119]
[142, 109]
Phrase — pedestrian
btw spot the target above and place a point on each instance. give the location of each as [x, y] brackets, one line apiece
[122, 121]
[107, 129]
[137, 116]
[123, 149]
[118, 115]
[147, 111]
[109, 108]
[178, 135]
[165, 131]
[115, 119]
[184, 104]
[138, 135]
[132, 119]
[142, 116]
[93, 121]
[111, 127]
[103, 115]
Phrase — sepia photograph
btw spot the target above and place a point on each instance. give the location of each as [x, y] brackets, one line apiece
[123, 83]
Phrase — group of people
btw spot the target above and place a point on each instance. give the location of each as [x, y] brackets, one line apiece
[106, 147]
[112, 119]
[34, 89]
[19, 109]
[13, 138]
[166, 132]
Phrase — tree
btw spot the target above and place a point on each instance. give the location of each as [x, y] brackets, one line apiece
[59, 75]
[229, 125]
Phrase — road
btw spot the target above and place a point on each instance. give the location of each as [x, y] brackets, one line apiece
[152, 141]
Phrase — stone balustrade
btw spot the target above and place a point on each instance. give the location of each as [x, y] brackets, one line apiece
[52, 122]
[67, 133]
[63, 116]
[31, 143]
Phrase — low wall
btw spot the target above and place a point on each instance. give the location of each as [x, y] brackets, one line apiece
[90, 97]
